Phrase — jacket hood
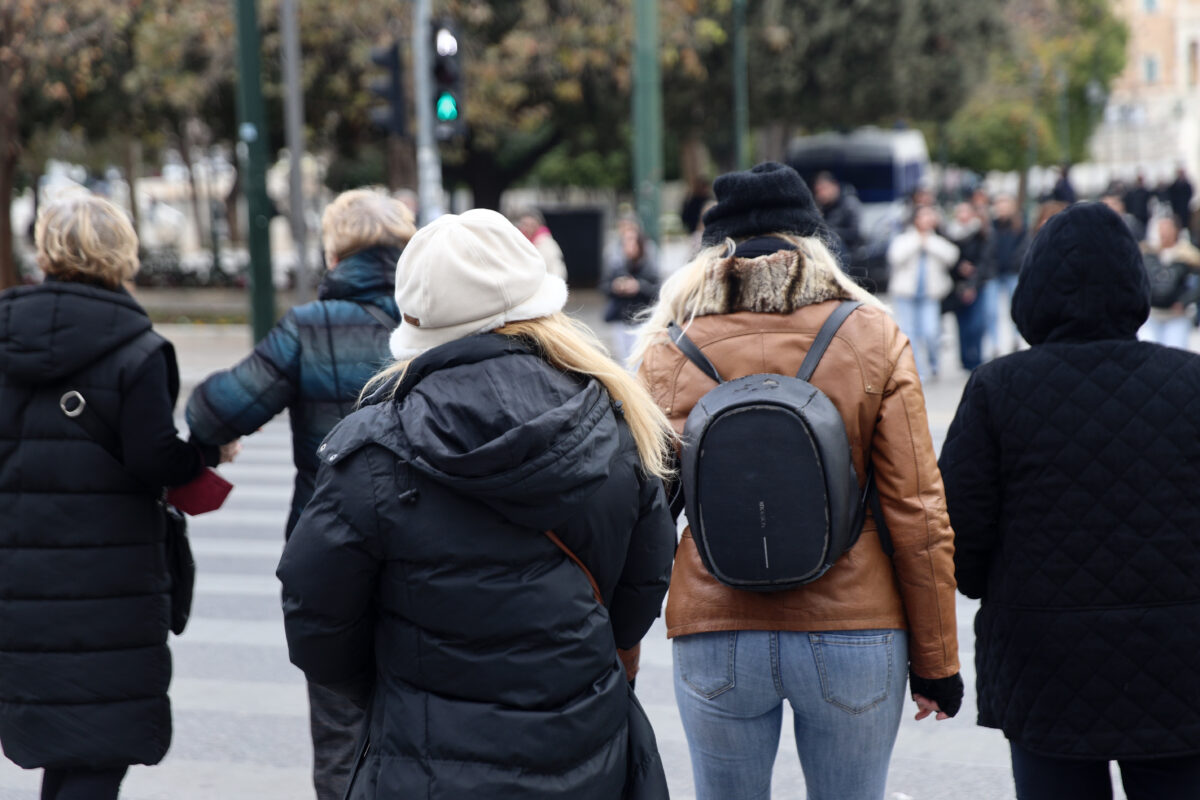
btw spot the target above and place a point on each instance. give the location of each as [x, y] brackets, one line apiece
[489, 418]
[53, 330]
[368, 275]
[1082, 280]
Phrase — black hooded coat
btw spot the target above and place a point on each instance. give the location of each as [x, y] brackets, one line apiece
[1072, 474]
[419, 579]
[84, 603]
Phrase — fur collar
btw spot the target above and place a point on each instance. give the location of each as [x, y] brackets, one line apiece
[777, 283]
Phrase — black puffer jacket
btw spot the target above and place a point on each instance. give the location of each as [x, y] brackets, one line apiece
[1072, 475]
[84, 608]
[419, 576]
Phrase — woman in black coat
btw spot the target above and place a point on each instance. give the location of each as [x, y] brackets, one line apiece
[1072, 476]
[85, 603]
[441, 575]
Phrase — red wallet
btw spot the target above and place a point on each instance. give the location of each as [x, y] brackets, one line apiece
[205, 493]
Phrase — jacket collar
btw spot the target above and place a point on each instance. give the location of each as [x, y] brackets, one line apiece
[777, 282]
[362, 276]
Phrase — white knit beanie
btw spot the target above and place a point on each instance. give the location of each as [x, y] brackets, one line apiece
[466, 274]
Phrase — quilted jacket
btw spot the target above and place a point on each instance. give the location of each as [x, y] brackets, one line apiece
[1072, 475]
[313, 363]
[419, 581]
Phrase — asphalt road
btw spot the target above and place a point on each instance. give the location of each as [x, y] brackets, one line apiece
[240, 711]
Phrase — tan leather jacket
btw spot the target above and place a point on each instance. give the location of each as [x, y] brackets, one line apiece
[869, 374]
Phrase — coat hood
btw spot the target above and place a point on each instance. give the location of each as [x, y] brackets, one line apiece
[489, 418]
[1082, 280]
[53, 330]
[368, 275]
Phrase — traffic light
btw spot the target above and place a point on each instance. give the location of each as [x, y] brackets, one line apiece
[391, 115]
[447, 83]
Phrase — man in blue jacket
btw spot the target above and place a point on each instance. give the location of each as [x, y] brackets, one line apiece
[314, 363]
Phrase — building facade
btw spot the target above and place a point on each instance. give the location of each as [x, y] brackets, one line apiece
[1152, 117]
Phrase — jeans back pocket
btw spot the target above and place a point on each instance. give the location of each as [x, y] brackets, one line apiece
[855, 668]
[706, 661]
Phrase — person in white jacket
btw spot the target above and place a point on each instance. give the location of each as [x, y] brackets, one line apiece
[920, 262]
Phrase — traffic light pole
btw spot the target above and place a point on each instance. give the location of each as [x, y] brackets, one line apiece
[741, 93]
[647, 117]
[294, 119]
[429, 162]
[252, 142]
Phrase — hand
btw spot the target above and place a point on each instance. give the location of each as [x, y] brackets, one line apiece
[927, 707]
[1177, 309]
[966, 269]
[230, 451]
[968, 296]
[625, 286]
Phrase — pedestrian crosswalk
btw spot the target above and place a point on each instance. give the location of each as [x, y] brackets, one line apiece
[240, 708]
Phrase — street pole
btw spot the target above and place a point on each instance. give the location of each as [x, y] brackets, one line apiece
[647, 117]
[1064, 118]
[1029, 199]
[294, 121]
[252, 144]
[741, 92]
[429, 161]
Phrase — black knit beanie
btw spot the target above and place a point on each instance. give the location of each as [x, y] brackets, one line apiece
[770, 198]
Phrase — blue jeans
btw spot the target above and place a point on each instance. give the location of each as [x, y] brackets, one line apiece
[920, 318]
[846, 689]
[1172, 331]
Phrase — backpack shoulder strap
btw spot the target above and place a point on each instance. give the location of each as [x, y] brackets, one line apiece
[824, 337]
[379, 314]
[689, 349]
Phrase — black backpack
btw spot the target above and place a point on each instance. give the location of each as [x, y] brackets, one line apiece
[769, 487]
[1168, 281]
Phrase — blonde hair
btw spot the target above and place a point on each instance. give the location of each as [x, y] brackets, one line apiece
[362, 218]
[86, 238]
[680, 297]
[571, 346]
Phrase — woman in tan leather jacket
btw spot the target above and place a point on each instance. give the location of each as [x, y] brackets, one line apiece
[840, 648]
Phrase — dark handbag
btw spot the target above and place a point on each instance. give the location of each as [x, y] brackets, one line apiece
[645, 778]
[181, 566]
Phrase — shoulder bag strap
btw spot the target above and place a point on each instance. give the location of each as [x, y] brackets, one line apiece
[824, 337]
[379, 314]
[559, 544]
[689, 349]
[75, 406]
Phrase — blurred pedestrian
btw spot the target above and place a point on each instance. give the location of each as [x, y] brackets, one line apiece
[1137, 201]
[837, 648]
[920, 260]
[698, 197]
[1179, 197]
[531, 223]
[440, 575]
[842, 213]
[314, 363]
[1006, 249]
[1045, 211]
[1070, 474]
[1113, 198]
[1064, 191]
[970, 275]
[1173, 267]
[630, 281]
[87, 443]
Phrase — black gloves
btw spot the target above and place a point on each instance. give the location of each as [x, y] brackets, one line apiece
[946, 692]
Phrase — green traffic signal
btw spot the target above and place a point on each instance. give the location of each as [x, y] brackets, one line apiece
[447, 107]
